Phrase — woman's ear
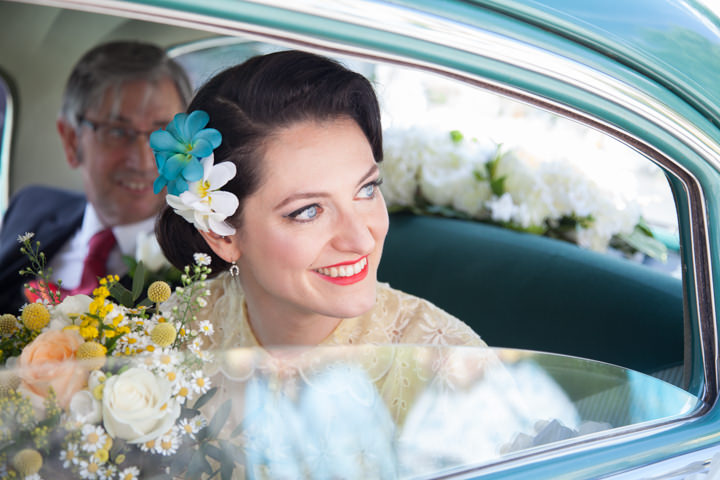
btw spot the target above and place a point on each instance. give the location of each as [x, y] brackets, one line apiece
[227, 248]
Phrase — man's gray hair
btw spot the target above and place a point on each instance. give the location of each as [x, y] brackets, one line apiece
[112, 65]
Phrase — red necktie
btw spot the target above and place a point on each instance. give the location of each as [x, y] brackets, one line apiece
[99, 249]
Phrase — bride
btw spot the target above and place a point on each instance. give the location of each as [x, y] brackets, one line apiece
[296, 233]
[282, 191]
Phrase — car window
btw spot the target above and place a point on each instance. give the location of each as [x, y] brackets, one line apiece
[538, 232]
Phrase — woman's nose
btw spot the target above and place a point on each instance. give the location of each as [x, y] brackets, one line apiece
[353, 233]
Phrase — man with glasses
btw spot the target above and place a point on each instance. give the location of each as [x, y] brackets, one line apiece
[117, 94]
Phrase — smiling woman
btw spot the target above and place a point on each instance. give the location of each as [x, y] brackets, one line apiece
[304, 135]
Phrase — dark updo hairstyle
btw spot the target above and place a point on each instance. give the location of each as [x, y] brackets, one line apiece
[248, 104]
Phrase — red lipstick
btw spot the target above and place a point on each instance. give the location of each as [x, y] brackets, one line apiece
[345, 280]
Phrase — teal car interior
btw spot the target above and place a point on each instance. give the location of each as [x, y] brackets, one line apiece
[642, 72]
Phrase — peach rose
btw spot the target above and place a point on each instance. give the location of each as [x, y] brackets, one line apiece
[49, 362]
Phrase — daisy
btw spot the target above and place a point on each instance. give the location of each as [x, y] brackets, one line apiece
[69, 456]
[206, 328]
[130, 473]
[169, 443]
[94, 437]
[199, 382]
[90, 469]
[166, 359]
[182, 389]
[192, 426]
[28, 235]
[109, 472]
[202, 259]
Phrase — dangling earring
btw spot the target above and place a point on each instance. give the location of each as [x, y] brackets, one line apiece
[234, 270]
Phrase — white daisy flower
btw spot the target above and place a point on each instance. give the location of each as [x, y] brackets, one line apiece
[130, 473]
[169, 443]
[166, 359]
[206, 327]
[90, 469]
[196, 345]
[108, 472]
[199, 382]
[182, 389]
[148, 446]
[93, 438]
[25, 237]
[69, 456]
[203, 355]
[202, 259]
[192, 426]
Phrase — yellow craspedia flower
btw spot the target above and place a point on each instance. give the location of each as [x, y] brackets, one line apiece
[93, 353]
[35, 316]
[101, 455]
[159, 291]
[27, 462]
[9, 381]
[163, 335]
[8, 324]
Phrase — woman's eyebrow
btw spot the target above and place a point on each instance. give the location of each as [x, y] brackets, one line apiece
[303, 195]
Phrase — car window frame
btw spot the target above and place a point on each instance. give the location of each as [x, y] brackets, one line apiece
[494, 71]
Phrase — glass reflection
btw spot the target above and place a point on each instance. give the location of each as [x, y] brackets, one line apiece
[352, 412]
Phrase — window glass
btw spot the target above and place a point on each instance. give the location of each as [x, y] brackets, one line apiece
[537, 231]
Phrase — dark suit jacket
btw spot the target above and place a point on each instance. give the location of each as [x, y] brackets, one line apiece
[53, 215]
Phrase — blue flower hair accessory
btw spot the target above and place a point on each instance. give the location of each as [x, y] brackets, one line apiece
[180, 147]
[185, 160]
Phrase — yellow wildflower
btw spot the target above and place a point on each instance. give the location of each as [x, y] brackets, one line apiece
[92, 353]
[8, 324]
[102, 455]
[35, 316]
[88, 333]
[27, 462]
[159, 291]
[163, 334]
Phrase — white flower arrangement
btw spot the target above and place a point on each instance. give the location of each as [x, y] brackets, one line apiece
[433, 172]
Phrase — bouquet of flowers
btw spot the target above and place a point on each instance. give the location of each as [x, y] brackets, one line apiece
[447, 174]
[97, 388]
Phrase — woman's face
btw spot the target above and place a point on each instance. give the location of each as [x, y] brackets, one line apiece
[312, 234]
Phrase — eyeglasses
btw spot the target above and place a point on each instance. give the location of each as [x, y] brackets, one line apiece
[114, 135]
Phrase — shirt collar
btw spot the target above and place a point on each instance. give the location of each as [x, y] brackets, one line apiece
[126, 235]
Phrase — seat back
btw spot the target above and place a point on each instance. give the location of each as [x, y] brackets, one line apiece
[525, 291]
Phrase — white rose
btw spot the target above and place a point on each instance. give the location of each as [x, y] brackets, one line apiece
[138, 406]
[85, 408]
[73, 306]
[149, 252]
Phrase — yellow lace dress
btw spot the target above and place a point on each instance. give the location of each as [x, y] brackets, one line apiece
[359, 383]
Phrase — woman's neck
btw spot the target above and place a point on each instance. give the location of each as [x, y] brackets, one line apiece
[274, 326]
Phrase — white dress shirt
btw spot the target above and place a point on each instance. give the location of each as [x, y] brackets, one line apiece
[67, 264]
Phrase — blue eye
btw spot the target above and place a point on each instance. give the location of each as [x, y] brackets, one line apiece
[305, 214]
[368, 190]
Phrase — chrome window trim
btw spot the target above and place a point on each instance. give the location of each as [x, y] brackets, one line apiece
[5, 146]
[457, 36]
